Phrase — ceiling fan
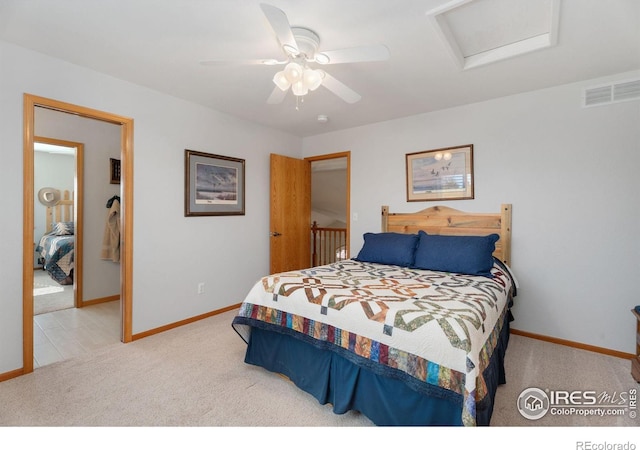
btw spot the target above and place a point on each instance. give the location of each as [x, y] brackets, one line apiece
[301, 49]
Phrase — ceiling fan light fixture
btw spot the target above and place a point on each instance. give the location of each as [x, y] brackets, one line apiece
[300, 47]
[293, 72]
[280, 80]
[312, 79]
[299, 88]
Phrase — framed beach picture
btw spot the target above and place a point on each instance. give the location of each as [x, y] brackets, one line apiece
[214, 185]
[440, 174]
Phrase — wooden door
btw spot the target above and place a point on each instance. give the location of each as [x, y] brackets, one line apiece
[290, 237]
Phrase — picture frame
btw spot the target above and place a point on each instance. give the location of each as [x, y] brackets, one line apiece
[440, 174]
[214, 185]
[114, 171]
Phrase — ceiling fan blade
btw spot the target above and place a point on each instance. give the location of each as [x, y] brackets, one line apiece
[277, 95]
[356, 54]
[281, 27]
[340, 89]
[239, 62]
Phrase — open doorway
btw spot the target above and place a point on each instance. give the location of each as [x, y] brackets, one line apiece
[329, 210]
[125, 146]
[67, 323]
[58, 224]
[291, 203]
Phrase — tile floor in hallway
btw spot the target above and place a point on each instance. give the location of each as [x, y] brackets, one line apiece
[64, 334]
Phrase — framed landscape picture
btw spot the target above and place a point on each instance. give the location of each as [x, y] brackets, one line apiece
[214, 185]
[440, 174]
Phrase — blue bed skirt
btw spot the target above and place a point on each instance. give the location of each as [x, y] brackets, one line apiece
[331, 378]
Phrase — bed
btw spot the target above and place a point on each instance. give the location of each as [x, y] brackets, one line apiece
[411, 331]
[55, 248]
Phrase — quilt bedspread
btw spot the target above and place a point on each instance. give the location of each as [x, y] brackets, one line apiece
[58, 256]
[436, 331]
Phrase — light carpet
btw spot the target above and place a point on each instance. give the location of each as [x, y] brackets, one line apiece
[194, 375]
[48, 295]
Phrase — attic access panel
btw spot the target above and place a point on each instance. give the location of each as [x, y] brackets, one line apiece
[481, 32]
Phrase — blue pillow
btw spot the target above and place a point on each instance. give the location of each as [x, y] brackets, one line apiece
[470, 255]
[388, 248]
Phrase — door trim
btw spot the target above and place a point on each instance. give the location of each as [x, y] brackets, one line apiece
[126, 252]
[78, 211]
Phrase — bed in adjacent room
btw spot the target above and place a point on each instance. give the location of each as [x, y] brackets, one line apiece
[55, 249]
[411, 331]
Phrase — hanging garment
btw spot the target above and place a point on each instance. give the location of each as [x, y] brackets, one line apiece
[112, 199]
[111, 239]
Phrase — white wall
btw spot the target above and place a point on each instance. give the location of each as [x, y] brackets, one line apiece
[328, 197]
[171, 253]
[571, 174]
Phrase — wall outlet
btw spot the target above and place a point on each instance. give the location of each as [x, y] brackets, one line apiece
[200, 288]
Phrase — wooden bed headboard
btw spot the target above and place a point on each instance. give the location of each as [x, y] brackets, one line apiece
[448, 221]
[61, 212]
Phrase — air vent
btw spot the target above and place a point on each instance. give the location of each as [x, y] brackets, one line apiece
[612, 93]
[626, 91]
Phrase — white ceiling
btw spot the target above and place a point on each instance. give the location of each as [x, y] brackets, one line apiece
[160, 44]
